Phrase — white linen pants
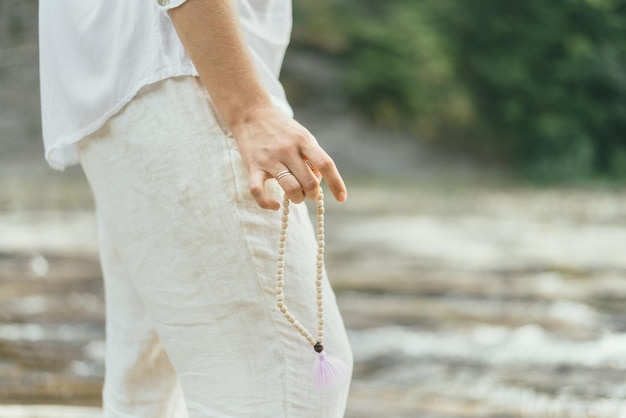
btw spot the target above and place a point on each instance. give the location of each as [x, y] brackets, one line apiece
[189, 263]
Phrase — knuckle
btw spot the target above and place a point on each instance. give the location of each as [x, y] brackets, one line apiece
[296, 197]
[302, 136]
[326, 163]
[292, 189]
[310, 186]
[283, 148]
[256, 190]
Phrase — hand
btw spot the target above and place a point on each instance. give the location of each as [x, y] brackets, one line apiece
[271, 142]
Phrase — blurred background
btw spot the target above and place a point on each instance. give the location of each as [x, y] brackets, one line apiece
[480, 261]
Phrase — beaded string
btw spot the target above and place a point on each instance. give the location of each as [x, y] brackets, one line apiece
[317, 342]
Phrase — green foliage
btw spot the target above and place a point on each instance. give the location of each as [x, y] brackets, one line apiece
[541, 84]
[549, 78]
[398, 67]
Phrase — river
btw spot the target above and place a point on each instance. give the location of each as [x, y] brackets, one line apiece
[460, 302]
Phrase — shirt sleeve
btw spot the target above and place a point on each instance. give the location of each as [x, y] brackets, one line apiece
[166, 5]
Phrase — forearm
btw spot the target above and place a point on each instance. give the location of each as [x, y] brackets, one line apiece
[211, 34]
[269, 141]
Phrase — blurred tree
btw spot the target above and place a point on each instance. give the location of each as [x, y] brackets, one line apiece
[549, 79]
[540, 84]
[395, 64]
[399, 69]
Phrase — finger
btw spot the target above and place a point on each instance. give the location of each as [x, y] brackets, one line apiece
[314, 170]
[324, 165]
[308, 181]
[257, 189]
[290, 184]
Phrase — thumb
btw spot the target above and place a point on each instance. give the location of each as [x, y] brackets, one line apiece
[258, 192]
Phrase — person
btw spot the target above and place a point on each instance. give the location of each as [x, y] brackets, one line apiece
[174, 110]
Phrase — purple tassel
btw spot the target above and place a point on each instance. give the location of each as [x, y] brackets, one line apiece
[329, 371]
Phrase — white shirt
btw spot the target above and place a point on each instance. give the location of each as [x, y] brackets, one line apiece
[95, 55]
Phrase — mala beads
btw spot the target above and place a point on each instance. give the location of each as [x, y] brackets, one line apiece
[328, 371]
[280, 297]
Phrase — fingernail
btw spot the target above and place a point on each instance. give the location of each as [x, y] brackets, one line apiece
[342, 196]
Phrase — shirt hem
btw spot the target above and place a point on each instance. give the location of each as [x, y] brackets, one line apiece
[57, 156]
[63, 153]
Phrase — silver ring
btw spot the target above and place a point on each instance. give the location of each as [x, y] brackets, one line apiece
[283, 174]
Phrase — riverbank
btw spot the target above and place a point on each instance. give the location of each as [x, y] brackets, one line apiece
[466, 302]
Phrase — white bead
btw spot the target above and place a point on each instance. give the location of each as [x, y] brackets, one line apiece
[319, 269]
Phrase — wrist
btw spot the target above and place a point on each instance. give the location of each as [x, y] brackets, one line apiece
[237, 116]
[240, 119]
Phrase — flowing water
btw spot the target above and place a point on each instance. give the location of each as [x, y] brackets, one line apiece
[459, 303]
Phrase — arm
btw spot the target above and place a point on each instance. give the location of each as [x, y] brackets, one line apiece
[269, 141]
